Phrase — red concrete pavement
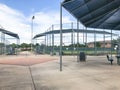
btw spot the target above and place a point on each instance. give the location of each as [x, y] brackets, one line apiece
[25, 60]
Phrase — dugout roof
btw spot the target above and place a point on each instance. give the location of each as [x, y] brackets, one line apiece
[70, 31]
[103, 14]
[9, 33]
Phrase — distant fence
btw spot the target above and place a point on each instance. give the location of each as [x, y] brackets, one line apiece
[70, 51]
[7, 50]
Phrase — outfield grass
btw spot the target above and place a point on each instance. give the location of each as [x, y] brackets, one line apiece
[88, 52]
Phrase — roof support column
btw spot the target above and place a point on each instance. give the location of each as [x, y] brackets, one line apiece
[72, 46]
[86, 41]
[52, 40]
[111, 43]
[1, 43]
[18, 42]
[4, 44]
[61, 37]
[104, 42]
[77, 41]
[95, 49]
[47, 42]
[83, 36]
[45, 45]
[1, 37]
[50, 50]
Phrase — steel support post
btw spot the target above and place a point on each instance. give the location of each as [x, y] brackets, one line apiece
[77, 41]
[52, 40]
[61, 37]
[104, 41]
[111, 43]
[45, 44]
[1, 42]
[72, 46]
[86, 42]
[18, 42]
[49, 43]
[95, 49]
[5, 45]
[1, 36]
[83, 36]
[2, 46]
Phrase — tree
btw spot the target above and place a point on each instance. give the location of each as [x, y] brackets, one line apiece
[24, 45]
[75, 45]
[1, 44]
[98, 44]
[13, 45]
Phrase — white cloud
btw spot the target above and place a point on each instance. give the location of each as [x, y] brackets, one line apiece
[15, 21]
[44, 20]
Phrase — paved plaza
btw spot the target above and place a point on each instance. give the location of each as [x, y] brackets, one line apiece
[42, 73]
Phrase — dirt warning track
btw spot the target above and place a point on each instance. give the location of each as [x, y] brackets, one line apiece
[25, 60]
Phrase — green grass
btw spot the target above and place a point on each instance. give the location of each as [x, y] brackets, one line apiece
[88, 52]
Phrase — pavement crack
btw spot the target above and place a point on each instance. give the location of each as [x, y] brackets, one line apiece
[33, 82]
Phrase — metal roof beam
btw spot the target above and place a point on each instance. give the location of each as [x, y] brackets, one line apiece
[80, 6]
[69, 31]
[67, 1]
[111, 8]
[117, 26]
[89, 13]
[106, 16]
[9, 33]
[95, 19]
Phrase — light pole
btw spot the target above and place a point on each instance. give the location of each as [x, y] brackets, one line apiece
[33, 17]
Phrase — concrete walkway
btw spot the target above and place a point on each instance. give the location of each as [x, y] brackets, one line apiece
[94, 74]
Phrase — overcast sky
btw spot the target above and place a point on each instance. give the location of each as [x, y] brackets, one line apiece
[16, 15]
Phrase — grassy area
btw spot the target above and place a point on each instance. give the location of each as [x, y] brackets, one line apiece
[88, 52]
